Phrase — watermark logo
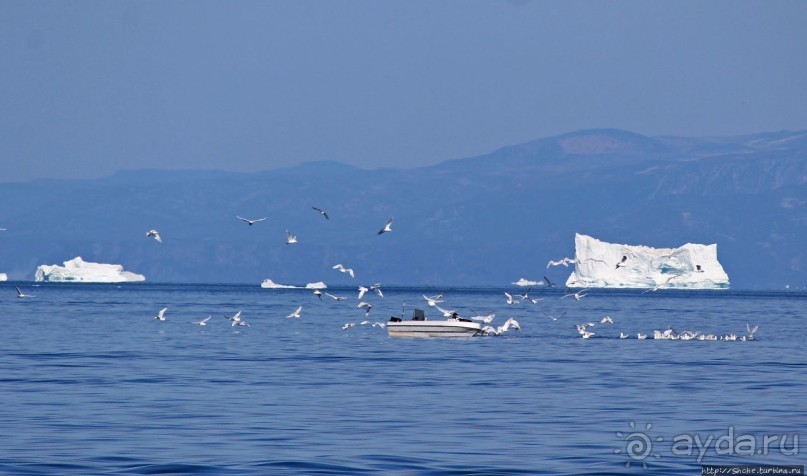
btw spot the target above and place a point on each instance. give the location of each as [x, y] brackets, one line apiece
[638, 445]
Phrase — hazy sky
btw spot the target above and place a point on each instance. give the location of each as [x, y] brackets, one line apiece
[92, 87]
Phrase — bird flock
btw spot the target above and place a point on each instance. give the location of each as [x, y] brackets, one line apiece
[585, 329]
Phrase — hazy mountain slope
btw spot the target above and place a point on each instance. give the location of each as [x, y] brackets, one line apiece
[478, 221]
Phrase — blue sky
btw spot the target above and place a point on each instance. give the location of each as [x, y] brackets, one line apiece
[92, 87]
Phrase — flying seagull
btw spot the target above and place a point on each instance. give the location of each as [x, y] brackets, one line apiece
[250, 222]
[561, 262]
[344, 270]
[335, 298]
[154, 234]
[20, 293]
[318, 294]
[607, 320]
[549, 283]
[577, 296]
[362, 291]
[621, 264]
[555, 317]
[367, 306]
[161, 315]
[322, 212]
[290, 239]
[510, 299]
[431, 301]
[387, 228]
[203, 322]
[296, 313]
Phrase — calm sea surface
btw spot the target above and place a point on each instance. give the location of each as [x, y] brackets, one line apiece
[91, 383]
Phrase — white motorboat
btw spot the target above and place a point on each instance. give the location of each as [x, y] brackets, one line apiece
[419, 326]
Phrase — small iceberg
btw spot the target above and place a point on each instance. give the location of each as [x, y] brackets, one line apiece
[269, 284]
[77, 270]
[3, 277]
[527, 282]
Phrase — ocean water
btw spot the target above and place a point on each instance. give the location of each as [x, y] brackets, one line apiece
[91, 383]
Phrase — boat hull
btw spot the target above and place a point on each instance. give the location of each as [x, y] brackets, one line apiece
[447, 328]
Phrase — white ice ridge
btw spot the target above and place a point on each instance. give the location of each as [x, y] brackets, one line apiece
[690, 266]
[3, 277]
[78, 270]
[269, 284]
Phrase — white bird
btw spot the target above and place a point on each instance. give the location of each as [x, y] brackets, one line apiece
[586, 335]
[577, 296]
[387, 228]
[322, 212]
[431, 301]
[377, 288]
[250, 222]
[510, 299]
[348, 325]
[154, 234]
[508, 324]
[236, 320]
[379, 324]
[335, 298]
[318, 294]
[555, 317]
[344, 270]
[290, 239]
[561, 262]
[296, 313]
[445, 312]
[641, 336]
[751, 331]
[161, 315]
[486, 319]
[362, 292]
[622, 335]
[203, 322]
[21, 295]
[367, 306]
[607, 320]
[660, 285]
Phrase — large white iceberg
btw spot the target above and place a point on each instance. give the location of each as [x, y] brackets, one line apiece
[78, 270]
[690, 266]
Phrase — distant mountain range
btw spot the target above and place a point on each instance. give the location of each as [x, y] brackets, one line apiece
[485, 220]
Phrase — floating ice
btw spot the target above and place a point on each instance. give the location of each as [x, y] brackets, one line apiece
[690, 266]
[3, 277]
[527, 282]
[78, 270]
[269, 284]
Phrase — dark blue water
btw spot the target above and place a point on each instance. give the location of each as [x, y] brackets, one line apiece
[91, 383]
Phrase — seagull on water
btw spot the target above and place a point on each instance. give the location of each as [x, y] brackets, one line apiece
[342, 269]
[335, 298]
[586, 334]
[751, 331]
[290, 239]
[387, 228]
[21, 295]
[322, 212]
[161, 315]
[154, 234]
[622, 335]
[250, 222]
[296, 313]
[641, 336]
[203, 322]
